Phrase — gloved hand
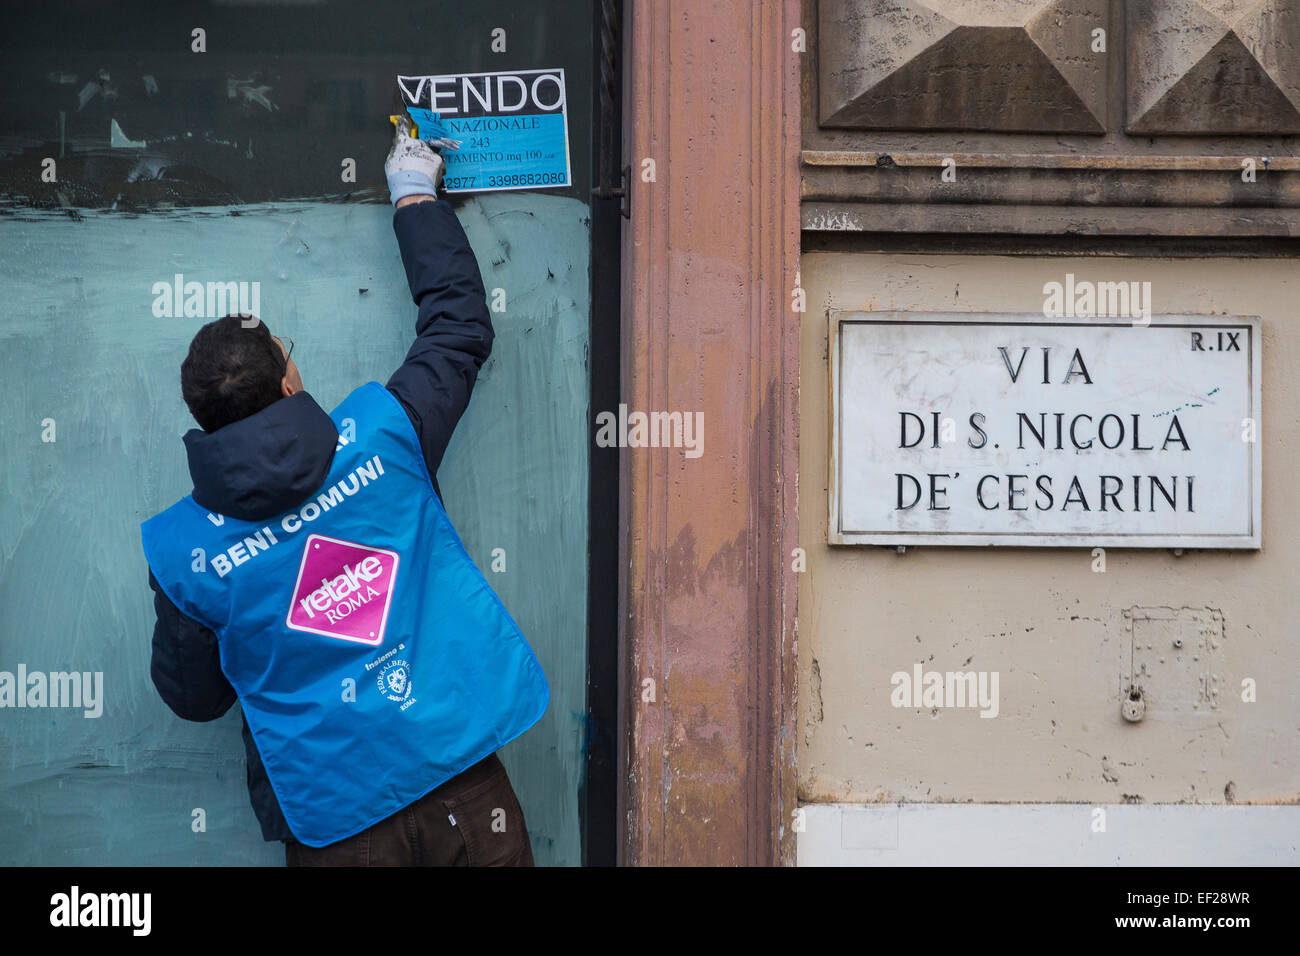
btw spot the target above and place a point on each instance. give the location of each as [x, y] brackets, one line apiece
[412, 166]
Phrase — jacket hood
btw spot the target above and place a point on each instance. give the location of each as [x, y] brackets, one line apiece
[264, 464]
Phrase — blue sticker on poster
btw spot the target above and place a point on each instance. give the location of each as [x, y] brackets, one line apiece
[513, 127]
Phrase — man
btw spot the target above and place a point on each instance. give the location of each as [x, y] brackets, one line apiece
[313, 574]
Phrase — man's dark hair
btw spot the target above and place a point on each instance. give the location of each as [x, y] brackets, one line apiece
[231, 372]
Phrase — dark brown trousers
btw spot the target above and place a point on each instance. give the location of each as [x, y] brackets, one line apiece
[474, 819]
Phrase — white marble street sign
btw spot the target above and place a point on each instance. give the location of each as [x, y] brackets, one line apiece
[1011, 429]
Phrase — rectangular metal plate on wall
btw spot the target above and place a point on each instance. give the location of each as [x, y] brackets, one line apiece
[1026, 430]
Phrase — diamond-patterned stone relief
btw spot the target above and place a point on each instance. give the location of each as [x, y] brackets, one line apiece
[1001, 65]
[1213, 66]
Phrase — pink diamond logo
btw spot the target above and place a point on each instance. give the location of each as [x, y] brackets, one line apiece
[343, 590]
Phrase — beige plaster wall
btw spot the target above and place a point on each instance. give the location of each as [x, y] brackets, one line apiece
[1055, 630]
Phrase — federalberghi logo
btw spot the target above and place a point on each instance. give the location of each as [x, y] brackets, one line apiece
[395, 680]
[343, 590]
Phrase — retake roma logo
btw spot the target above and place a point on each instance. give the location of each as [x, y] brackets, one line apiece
[343, 590]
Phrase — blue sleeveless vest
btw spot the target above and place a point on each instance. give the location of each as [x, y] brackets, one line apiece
[371, 658]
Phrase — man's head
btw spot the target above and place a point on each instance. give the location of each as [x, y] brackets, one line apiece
[233, 371]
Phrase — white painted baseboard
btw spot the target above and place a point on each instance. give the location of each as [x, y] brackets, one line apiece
[1047, 834]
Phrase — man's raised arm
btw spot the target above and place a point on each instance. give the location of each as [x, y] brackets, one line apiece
[453, 329]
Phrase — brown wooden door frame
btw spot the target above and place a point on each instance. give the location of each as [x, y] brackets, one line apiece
[707, 590]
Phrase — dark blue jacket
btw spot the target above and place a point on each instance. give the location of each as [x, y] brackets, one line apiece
[274, 460]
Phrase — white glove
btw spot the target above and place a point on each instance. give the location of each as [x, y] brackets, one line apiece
[412, 166]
